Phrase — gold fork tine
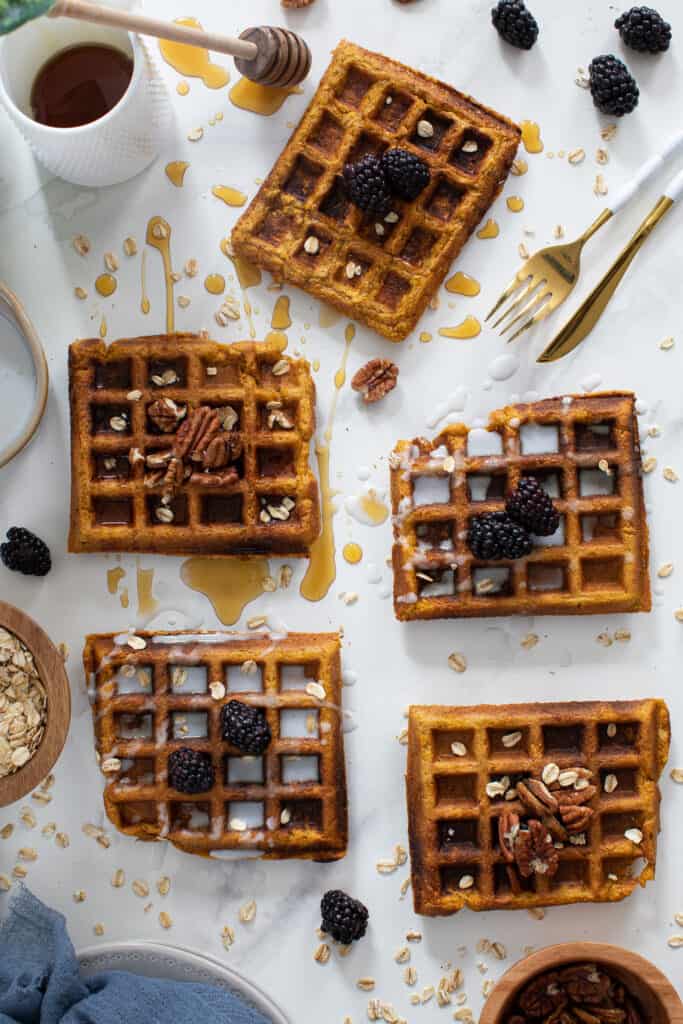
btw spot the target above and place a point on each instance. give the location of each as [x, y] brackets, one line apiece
[517, 282]
[535, 303]
[533, 286]
[546, 308]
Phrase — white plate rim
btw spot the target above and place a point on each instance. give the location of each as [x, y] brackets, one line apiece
[199, 966]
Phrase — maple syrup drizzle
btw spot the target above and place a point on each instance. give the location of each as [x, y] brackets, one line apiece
[281, 319]
[182, 88]
[105, 285]
[469, 328]
[147, 603]
[214, 284]
[371, 506]
[230, 196]
[489, 230]
[123, 597]
[114, 577]
[531, 137]
[515, 204]
[425, 336]
[159, 237]
[352, 553]
[229, 583]
[144, 297]
[322, 569]
[103, 327]
[462, 284]
[260, 99]
[175, 172]
[193, 61]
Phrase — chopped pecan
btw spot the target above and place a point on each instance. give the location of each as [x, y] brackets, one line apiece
[536, 796]
[154, 478]
[534, 851]
[376, 379]
[542, 996]
[196, 432]
[173, 476]
[508, 827]
[166, 414]
[576, 819]
[586, 984]
[216, 455]
[556, 829]
[222, 479]
[576, 797]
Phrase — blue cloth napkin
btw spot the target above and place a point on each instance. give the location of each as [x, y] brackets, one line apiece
[40, 982]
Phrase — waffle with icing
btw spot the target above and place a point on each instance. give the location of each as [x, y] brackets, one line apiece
[160, 694]
[265, 404]
[584, 450]
[456, 819]
[367, 103]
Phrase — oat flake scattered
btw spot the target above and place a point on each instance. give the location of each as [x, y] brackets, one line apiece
[247, 912]
[457, 661]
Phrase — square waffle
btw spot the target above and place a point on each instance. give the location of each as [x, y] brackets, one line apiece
[152, 693]
[584, 449]
[120, 503]
[364, 104]
[456, 754]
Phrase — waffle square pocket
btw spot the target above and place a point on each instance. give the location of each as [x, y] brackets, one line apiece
[181, 445]
[533, 805]
[584, 451]
[154, 694]
[302, 227]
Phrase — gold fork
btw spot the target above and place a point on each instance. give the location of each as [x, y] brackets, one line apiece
[549, 276]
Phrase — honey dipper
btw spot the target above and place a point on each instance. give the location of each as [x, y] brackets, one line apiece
[264, 54]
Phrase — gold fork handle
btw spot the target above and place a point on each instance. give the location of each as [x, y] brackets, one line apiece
[596, 225]
[592, 308]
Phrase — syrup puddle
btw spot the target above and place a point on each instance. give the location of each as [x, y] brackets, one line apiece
[175, 172]
[105, 285]
[182, 88]
[193, 61]
[229, 583]
[159, 237]
[144, 297]
[368, 508]
[114, 577]
[230, 196]
[352, 553]
[462, 284]
[489, 230]
[103, 327]
[322, 569]
[215, 284]
[281, 319]
[247, 274]
[425, 336]
[147, 603]
[515, 204]
[531, 137]
[260, 99]
[469, 328]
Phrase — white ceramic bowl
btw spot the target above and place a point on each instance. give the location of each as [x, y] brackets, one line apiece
[157, 960]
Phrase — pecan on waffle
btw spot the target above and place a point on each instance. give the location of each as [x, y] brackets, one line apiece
[584, 450]
[153, 693]
[181, 445]
[302, 227]
[533, 805]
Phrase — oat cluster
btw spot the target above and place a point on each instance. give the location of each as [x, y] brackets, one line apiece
[23, 704]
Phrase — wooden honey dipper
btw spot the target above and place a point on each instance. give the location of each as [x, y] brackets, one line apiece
[267, 55]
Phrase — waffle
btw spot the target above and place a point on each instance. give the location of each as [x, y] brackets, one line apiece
[456, 854]
[598, 560]
[367, 103]
[120, 502]
[148, 702]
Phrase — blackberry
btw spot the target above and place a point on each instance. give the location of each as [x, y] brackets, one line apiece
[644, 29]
[245, 727]
[406, 174]
[494, 535]
[532, 508]
[24, 552]
[190, 771]
[366, 185]
[344, 918]
[515, 23]
[613, 87]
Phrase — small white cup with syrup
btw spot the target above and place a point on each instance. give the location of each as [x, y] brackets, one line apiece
[23, 377]
[107, 151]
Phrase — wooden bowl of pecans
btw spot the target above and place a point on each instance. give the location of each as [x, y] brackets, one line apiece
[35, 704]
[588, 980]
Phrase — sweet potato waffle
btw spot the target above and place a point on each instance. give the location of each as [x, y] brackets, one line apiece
[262, 404]
[157, 692]
[584, 450]
[364, 104]
[460, 841]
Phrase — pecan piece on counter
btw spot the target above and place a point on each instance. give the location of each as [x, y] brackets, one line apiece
[166, 414]
[536, 797]
[508, 827]
[375, 380]
[576, 819]
[534, 851]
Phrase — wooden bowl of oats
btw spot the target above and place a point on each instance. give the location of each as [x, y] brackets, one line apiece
[35, 704]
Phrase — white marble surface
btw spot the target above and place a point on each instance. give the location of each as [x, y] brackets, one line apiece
[394, 664]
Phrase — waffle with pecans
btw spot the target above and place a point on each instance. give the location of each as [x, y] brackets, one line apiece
[181, 445]
[584, 450]
[153, 693]
[302, 227]
[533, 805]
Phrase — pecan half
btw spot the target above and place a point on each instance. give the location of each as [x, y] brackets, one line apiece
[534, 851]
[216, 455]
[576, 797]
[542, 996]
[166, 414]
[536, 796]
[173, 476]
[221, 479]
[375, 380]
[576, 819]
[508, 827]
[197, 431]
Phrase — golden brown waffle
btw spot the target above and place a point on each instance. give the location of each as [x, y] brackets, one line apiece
[455, 753]
[116, 496]
[150, 700]
[598, 560]
[364, 104]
